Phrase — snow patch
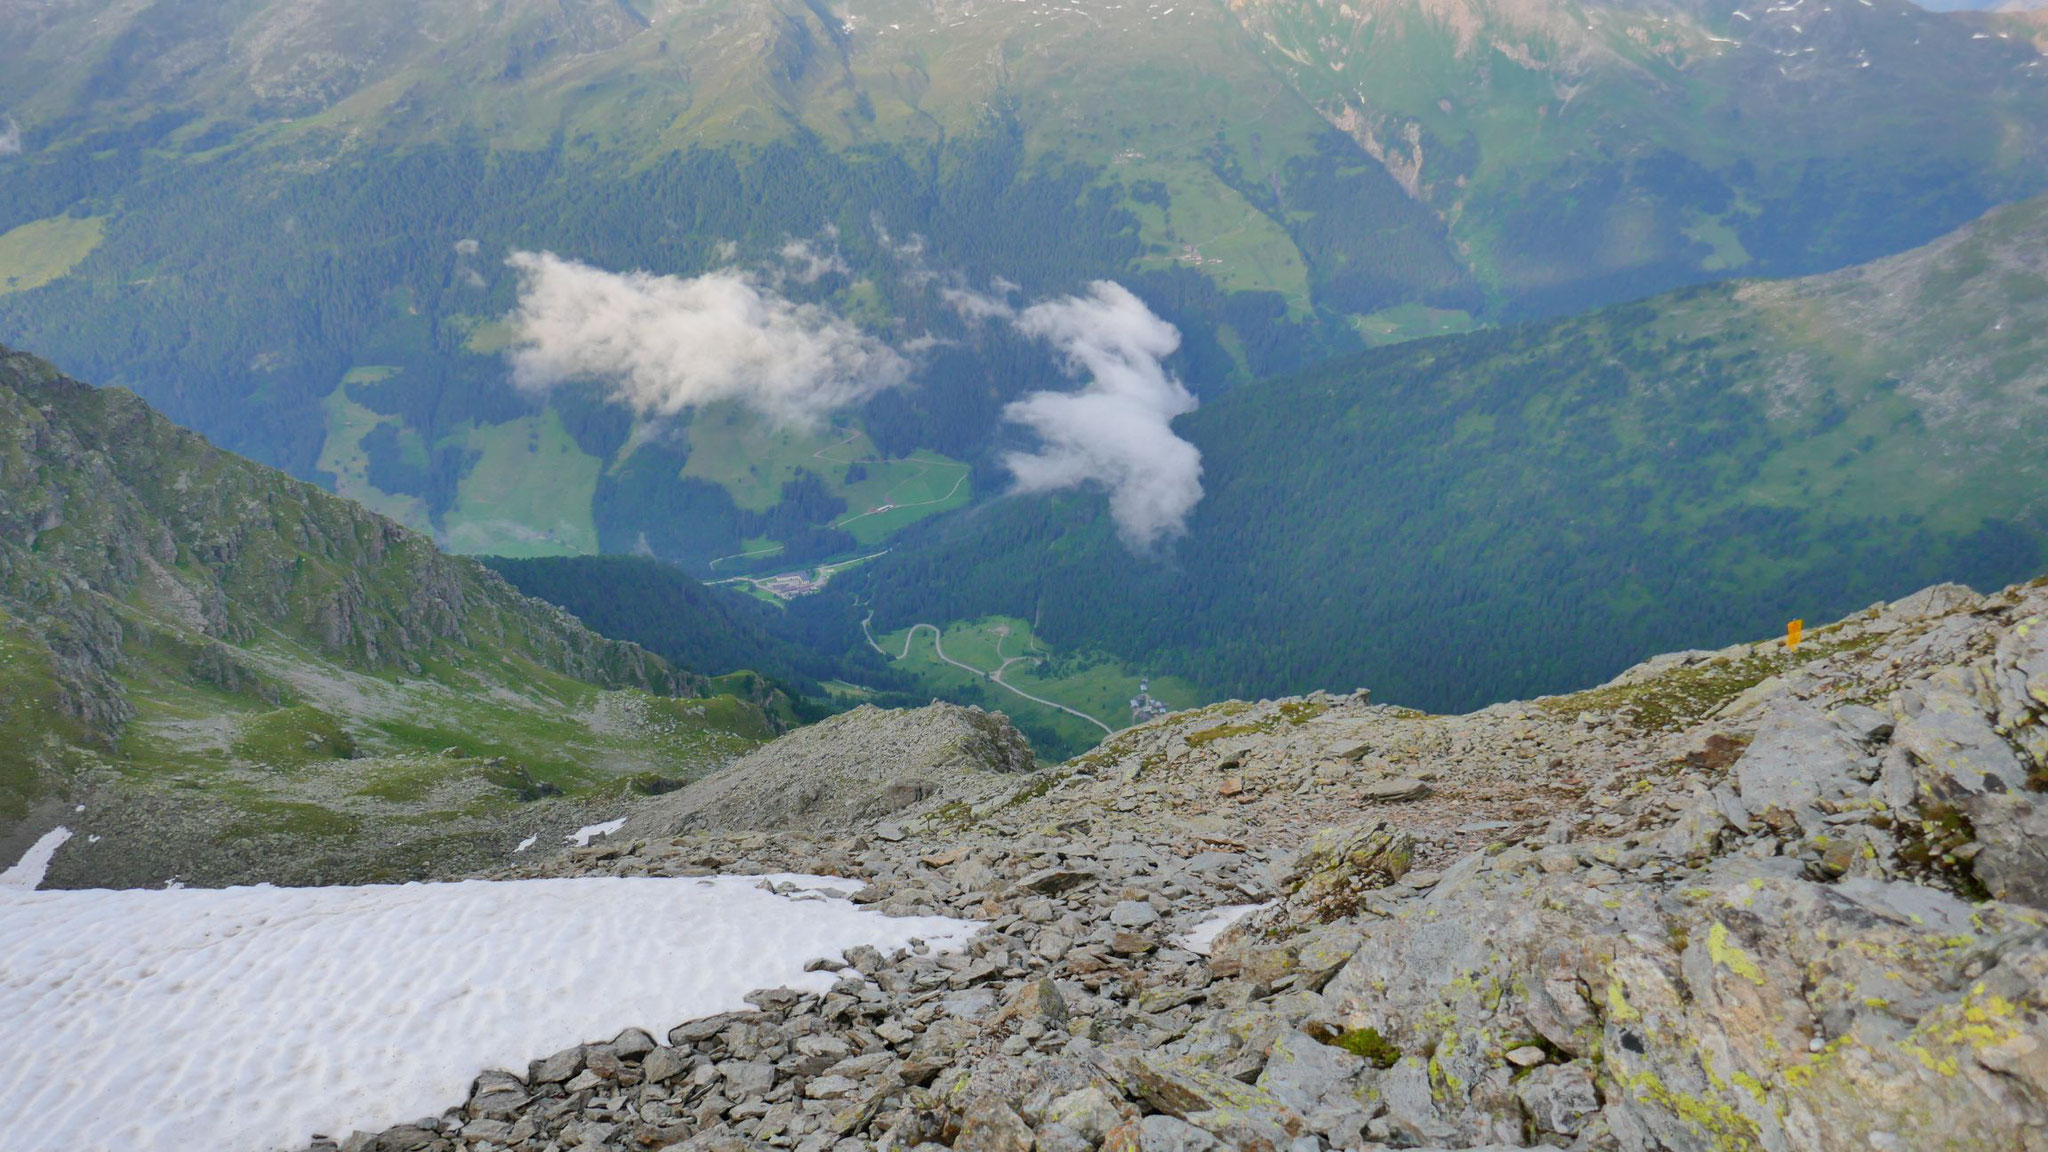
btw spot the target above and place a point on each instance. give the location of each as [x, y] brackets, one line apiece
[584, 835]
[1202, 937]
[249, 1019]
[529, 842]
[28, 871]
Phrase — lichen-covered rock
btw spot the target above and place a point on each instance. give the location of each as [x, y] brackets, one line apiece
[2012, 841]
[1335, 872]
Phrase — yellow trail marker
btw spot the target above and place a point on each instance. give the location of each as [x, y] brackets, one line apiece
[1792, 632]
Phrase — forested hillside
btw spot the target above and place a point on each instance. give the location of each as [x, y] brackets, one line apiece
[286, 224]
[660, 607]
[1501, 514]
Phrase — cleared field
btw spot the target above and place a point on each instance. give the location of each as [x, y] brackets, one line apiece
[342, 455]
[529, 493]
[752, 458]
[44, 250]
[1093, 683]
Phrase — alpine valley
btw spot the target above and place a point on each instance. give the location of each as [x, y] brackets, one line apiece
[1023, 575]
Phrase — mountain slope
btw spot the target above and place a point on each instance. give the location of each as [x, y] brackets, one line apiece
[285, 223]
[1493, 515]
[1582, 151]
[228, 664]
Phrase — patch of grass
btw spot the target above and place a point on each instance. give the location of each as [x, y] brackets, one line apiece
[1411, 322]
[45, 250]
[1094, 683]
[752, 458]
[37, 740]
[342, 455]
[291, 738]
[288, 818]
[529, 493]
[1302, 711]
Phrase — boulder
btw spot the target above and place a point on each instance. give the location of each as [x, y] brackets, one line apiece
[2012, 838]
[1951, 746]
[1559, 1098]
[1334, 872]
[1799, 757]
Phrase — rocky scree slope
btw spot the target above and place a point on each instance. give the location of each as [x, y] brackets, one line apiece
[227, 661]
[1751, 899]
[846, 770]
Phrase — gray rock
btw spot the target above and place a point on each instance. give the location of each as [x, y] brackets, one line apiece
[1930, 602]
[1133, 914]
[1411, 1107]
[1089, 1111]
[830, 1087]
[632, 1044]
[1954, 749]
[1559, 1097]
[1302, 1073]
[1037, 1001]
[405, 1138]
[496, 1094]
[662, 1065]
[1399, 789]
[1167, 1134]
[968, 1004]
[2012, 829]
[1053, 881]
[720, 1138]
[992, 1126]
[1798, 758]
[861, 765]
[747, 1078]
[557, 1068]
[1335, 872]
[697, 1031]
[1863, 724]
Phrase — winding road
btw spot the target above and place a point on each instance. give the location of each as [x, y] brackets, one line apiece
[938, 646]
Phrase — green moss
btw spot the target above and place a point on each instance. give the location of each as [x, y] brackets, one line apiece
[1367, 1044]
[1675, 699]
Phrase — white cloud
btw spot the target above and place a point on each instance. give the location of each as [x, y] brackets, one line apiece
[10, 137]
[664, 344]
[1117, 431]
[807, 263]
[907, 253]
[978, 306]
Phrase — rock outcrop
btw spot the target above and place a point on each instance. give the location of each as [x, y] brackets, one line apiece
[1749, 899]
[859, 766]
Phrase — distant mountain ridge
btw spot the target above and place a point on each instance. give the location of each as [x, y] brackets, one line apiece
[190, 633]
[1481, 517]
